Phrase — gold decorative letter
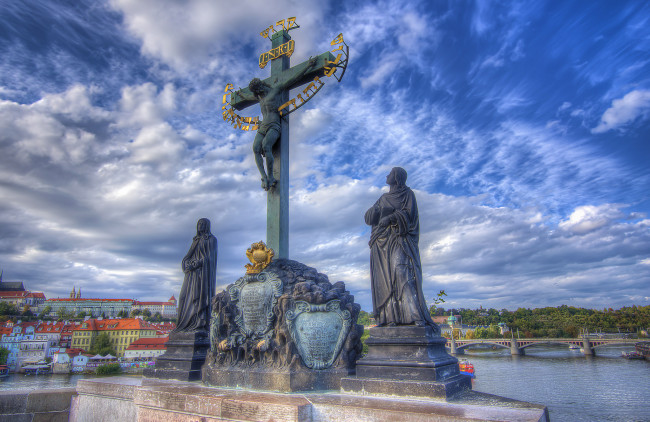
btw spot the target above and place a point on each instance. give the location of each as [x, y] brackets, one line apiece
[337, 40]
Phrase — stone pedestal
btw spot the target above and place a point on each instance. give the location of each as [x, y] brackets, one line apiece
[183, 359]
[407, 361]
[283, 380]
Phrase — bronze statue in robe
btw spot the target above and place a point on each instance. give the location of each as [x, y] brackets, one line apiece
[199, 285]
[395, 269]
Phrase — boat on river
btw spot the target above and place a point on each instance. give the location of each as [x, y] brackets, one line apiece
[466, 368]
[4, 371]
[632, 355]
[643, 348]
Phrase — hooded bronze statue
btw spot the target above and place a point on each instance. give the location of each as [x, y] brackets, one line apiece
[395, 269]
[199, 285]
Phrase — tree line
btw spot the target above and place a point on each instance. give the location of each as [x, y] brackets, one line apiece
[555, 322]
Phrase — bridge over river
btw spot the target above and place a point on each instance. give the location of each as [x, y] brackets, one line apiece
[587, 345]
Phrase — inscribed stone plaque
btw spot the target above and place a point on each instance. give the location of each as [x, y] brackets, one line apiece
[254, 297]
[319, 331]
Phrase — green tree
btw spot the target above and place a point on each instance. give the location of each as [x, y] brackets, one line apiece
[64, 314]
[81, 314]
[7, 308]
[46, 311]
[109, 369]
[135, 313]
[103, 345]
[364, 318]
[364, 337]
[4, 353]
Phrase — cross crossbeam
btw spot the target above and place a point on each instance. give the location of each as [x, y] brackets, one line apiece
[242, 98]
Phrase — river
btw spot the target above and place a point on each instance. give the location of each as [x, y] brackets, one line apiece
[574, 388]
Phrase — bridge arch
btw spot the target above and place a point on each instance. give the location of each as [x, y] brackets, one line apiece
[545, 343]
[484, 343]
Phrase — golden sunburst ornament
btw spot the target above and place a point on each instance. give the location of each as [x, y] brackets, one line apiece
[260, 256]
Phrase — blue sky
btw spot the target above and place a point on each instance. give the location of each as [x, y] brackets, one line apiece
[524, 128]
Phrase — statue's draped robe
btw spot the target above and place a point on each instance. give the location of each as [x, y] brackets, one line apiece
[395, 269]
[199, 285]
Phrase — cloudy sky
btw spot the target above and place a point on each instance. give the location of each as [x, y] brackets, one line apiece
[524, 128]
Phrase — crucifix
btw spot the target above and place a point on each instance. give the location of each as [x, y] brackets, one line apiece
[271, 144]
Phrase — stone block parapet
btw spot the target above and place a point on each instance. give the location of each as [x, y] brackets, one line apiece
[36, 405]
[151, 400]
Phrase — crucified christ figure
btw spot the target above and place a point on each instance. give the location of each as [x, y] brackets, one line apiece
[270, 97]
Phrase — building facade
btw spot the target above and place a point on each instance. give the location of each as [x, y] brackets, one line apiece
[109, 308]
[146, 348]
[165, 309]
[122, 332]
[20, 332]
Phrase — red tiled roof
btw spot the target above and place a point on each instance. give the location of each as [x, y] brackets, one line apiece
[153, 343]
[28, 324]
[136, 303]
[51, 328]
[13, 294]
[114, 324]
[38, 295]
[83, 298]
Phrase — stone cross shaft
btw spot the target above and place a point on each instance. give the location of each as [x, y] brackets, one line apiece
[277, 203]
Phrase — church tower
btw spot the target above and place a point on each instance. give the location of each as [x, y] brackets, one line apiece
[79, 293]
[72, 294]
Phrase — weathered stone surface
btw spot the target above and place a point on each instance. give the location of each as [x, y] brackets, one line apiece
[159, 401]
[51, 400]
[254, 297]
[444, 389]
[118, 387]
[280, 380]
[318, 331]
[407, 361]
[344, 407]
[100, 408]
[36, 405]
[283, 357]
[186, 352]
[407, 353]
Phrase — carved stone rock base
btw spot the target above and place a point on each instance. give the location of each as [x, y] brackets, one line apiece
[183, 359]
[407, 361]
[281, 380]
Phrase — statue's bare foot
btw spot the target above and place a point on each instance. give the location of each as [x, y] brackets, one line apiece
[272, 182]
[265, 183]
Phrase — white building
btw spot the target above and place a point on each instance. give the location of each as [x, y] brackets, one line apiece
[165, 309]
[146, 348]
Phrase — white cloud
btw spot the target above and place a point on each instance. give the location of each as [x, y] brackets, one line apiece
[587, 218]
[624, 110]
[186, 33]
